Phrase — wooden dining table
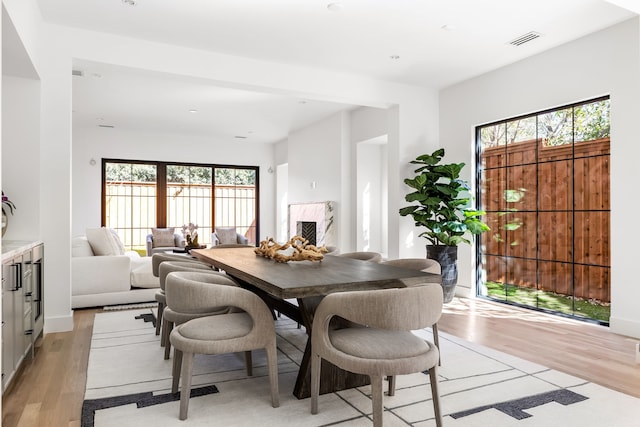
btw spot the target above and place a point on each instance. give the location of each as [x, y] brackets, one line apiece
[296, 288]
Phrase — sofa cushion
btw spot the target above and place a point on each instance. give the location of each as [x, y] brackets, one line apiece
[163, 237]
[100, 274]
[227, 236]
[80, 247]
[142, 273]
[102, 242]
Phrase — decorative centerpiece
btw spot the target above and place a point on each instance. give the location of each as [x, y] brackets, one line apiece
[190, 233]
[296, 249]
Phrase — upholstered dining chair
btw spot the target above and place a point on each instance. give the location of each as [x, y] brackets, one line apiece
[249, 327]
[364, 256]
[181, 310]
[156, 260]
[422, 264]
[385, 346]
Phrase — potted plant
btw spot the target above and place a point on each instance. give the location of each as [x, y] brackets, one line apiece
[444, 209]
[8, 204]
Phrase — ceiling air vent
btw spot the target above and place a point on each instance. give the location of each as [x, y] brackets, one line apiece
[78, 73]
[106, 126]
[532, 35]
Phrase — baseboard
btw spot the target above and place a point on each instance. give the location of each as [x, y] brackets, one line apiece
[626, 327]
[58, 324]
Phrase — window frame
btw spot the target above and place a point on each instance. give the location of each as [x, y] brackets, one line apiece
[161, 188]
[480, 185]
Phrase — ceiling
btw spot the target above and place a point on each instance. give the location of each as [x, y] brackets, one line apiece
[432, 43]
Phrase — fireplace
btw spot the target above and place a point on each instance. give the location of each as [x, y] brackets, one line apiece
[307, 229]
[313, 221]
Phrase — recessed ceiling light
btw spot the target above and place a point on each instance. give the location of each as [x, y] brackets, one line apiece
[394, 57]
[447, 27]
[335, 7]
[193, 111]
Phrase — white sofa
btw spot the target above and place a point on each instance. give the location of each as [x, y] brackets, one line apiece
[102, 277]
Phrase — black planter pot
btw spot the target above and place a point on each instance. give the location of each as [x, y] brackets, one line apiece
[447, 257]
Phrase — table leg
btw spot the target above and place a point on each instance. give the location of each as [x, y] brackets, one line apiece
[332, 378]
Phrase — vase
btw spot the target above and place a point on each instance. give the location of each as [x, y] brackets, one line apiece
[447, 257]
[5, 222]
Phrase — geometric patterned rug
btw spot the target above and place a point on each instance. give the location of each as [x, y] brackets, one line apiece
[129, 384]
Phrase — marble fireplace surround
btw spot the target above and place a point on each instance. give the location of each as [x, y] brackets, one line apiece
[320, 213]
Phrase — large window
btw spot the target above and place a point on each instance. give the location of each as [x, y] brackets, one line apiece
[140, 195]
[544, 183]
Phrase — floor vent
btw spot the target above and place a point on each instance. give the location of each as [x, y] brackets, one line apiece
[525, 38]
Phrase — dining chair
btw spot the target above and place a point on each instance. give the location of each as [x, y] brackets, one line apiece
[421, 264]
[249, 327]
[156, 260]
[385, 346]
[180, 310]
[363, 256]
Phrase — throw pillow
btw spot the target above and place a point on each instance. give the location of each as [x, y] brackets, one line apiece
[163, 237]
[102, 242]
[227, 236]
[117, 241]
[80, 247]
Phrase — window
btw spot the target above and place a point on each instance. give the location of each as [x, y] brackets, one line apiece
[544, 183]
[140, 195]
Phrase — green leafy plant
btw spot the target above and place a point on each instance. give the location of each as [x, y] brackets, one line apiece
[443, 202]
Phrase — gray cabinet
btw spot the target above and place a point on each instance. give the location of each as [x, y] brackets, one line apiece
[22, 305]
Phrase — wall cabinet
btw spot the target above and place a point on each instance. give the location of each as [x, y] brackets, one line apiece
[22, 304]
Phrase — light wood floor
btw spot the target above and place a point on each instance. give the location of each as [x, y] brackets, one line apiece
[50, 390]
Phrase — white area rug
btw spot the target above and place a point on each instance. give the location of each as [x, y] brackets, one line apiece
[129, 384]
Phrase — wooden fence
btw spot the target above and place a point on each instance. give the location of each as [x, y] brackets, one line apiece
[131, 209]
[549, 212]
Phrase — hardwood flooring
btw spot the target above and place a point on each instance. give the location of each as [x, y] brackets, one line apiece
[50, 389]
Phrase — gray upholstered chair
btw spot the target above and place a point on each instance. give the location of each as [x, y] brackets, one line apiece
[227, 236]
[163, 240]
[181, 310]
[250, 327]
[386, 346]
[184, 263]
[364, 256]
[422, 264]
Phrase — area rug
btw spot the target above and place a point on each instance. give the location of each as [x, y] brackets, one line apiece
[129, 384]
[129, 306]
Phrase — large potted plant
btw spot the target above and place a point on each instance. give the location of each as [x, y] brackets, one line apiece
[444, 209]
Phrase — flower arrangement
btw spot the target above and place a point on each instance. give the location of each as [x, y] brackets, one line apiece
[190, 233]
[8, 204]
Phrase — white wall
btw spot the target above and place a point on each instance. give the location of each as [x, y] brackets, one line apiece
[370, 197]
[315, 169]
[607, 62]
[20, 159]
[97, 143]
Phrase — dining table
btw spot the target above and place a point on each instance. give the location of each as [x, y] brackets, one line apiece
[296, 288]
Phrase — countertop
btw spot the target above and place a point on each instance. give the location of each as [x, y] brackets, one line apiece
[11, 248]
